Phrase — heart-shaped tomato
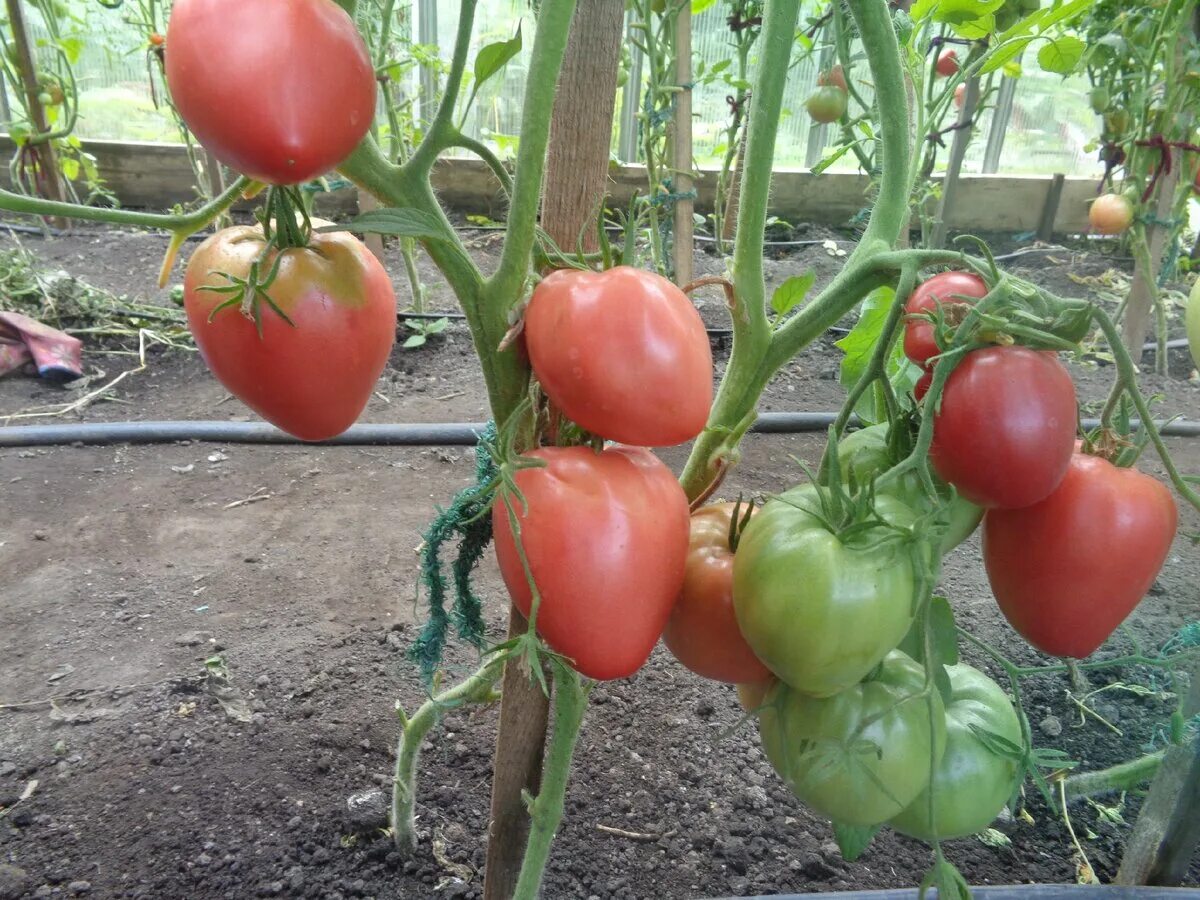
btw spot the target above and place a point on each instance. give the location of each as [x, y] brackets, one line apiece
[1067, 571]
[606, 537]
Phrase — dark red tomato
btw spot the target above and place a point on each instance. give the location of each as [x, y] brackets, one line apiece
[606, 536]
[945, 289]
[921, 388]
[312, 378]
[703, 632]
[1006, 428]
[947, 63]
[1067, 571]
[279, 91]
[622, 353]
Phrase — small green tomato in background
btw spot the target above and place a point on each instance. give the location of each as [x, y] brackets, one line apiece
[1193, 322]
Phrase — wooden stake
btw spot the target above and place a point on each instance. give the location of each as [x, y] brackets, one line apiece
[683, 247]
[958, 152]
[1050, 209]
[49, 177]
[576, 173]
[1143, 292]
[374, 242]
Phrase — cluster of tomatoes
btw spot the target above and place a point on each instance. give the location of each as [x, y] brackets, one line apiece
[300, 334]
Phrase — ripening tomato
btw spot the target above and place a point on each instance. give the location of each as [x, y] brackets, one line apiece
[606, 537]
[947, 63]
[622, 353]
[827, 104]
[311, 378]
[281, 92]
[960, 96]
[156, 39]
[972, 782]
[752, 693]
[1067, 571]
[1100, 99]
[702, 632]
[835, 76]
[862, 755]
[1110, 214]
[1005, 431]
[946, 289]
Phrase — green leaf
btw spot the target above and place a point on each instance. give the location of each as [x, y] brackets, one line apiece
[72, 47]
[394, 221]
[494, 57]
[792, 292]
[1064, 14]
[860, 343]
[437, 326]
[852, 840]
[1061, 56]
[945, 635]
[955, 12]
[70, 168]
[1004, 54]
[699, 6]
[415, 340]
[833, 157]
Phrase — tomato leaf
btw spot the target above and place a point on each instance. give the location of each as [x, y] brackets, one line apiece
[852, 840]
[945, 634]
[792, 292]
[1061, 56]
[1004, 54]
[858, 346]
[699, 6]
[955, 12]
[394, 221]
[494, 57]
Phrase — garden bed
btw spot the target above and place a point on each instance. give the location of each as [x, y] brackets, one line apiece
[125, 567]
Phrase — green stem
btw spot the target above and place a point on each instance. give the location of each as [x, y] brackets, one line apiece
[507, 285]
[1121, 777]
[433, 143]
[485, 153]
[476, 689]
[186, 222]
[546, 810]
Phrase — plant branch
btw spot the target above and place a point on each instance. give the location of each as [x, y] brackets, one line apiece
[442, 126]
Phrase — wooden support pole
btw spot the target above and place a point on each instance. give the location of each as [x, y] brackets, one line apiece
[683, 246]
[1050, 209]
[1167, 830]
[44, 161]
[1143, 292]
[958, 152]
[576, 171]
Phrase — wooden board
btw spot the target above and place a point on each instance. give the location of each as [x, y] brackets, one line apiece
[156, 176]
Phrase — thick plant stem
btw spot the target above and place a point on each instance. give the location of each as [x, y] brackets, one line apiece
[546, 810]
[1121, 777]
[475, 689]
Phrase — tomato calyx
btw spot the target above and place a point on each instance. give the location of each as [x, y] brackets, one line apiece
[249, 293]
[739, 520]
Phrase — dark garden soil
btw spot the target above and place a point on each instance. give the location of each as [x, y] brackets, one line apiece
[122, 568]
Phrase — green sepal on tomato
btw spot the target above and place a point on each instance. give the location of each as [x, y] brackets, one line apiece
[1068, 570]
[281, 92]
[622, 353]
[821, 607]
[1004, 431]
[702, 632]
[865, 454]
[311, 373]
[606, 538]
[974, 779]
[861, 756]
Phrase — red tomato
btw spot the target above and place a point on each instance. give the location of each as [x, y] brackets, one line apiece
[945, 288]
[313, 378]
[1067, 571]
[157, 39]
[921, 388]
[1110, 214]
[1006, 428]
[606, 536]
[960, 95]
[622, 353]
[703, 632]
[282, 92]
[947, 63]
[836, 76]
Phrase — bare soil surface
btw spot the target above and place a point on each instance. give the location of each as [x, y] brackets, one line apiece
[123, 568]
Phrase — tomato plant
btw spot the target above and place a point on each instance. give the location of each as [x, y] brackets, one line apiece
[1068, 570]
[861, 756]
[703, 632]
[974, 779]
[819, 608]
[947, 290]
[1005, 429]
[622, 353]
[606, 538]
[306, 352]
[1110, 214]
[827, 104]
[282, 92]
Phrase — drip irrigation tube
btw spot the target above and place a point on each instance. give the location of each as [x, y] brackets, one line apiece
[440, 434]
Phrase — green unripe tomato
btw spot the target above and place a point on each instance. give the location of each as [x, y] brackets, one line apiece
[1193, 320]
[827, 104]
[972, 782]
[819, 609]
[1116, 122]
[862, 756]
[1100, 99]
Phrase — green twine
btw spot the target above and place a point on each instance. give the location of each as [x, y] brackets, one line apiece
[465, 517]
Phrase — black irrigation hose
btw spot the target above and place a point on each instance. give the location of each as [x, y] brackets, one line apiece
[441, 434]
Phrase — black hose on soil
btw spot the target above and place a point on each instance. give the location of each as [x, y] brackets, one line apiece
[440, 434]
